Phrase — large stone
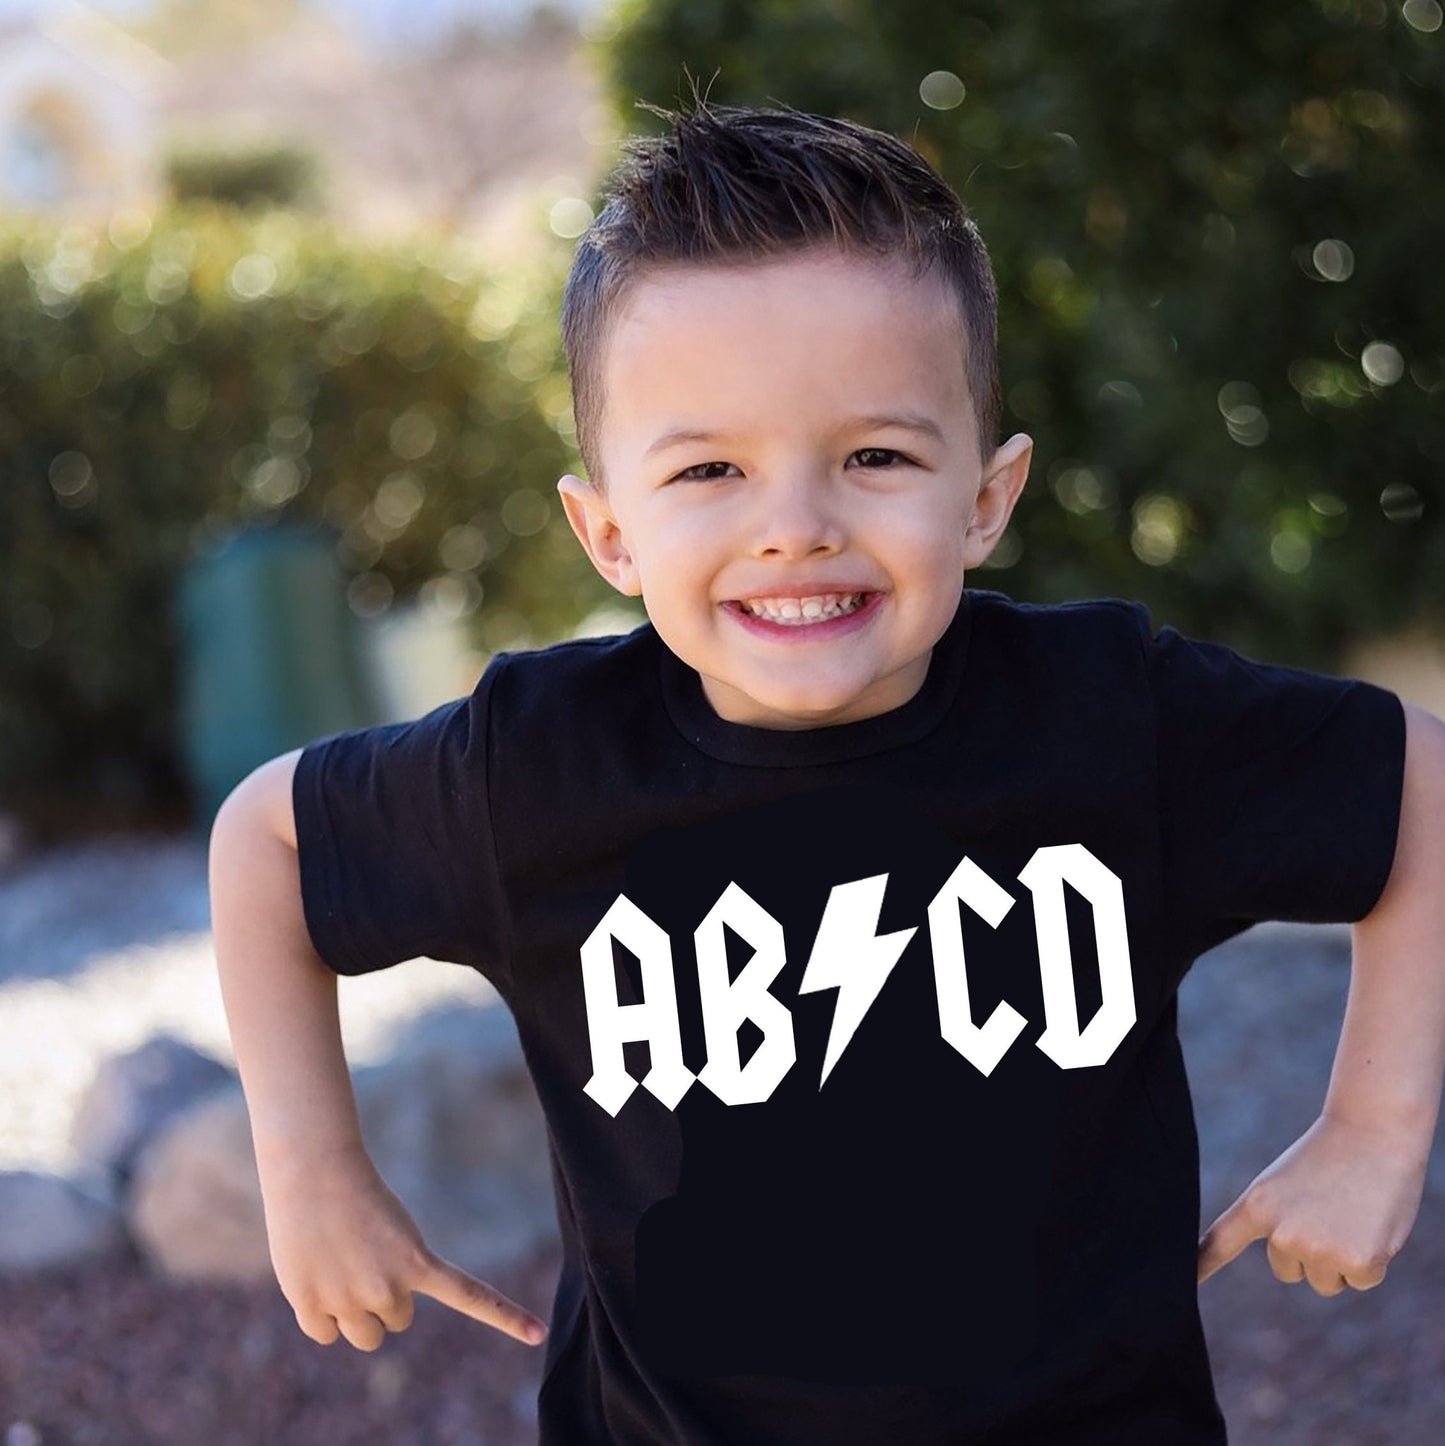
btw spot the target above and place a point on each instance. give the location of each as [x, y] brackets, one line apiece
[132, 1095]
[49, 1221]
[194, 1207]
[451, 1122]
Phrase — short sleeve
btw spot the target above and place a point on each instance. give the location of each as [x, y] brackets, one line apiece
[1279, 789]
[394, 841]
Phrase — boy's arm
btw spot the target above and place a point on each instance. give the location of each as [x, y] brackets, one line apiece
[1341, 1201]
[279, 996]
[1390, 1064]
[346, 1253]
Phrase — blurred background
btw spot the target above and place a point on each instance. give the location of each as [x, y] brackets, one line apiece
[282, 410]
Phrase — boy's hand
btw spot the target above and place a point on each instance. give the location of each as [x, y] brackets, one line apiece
[348, 1256]
[1334, 1208]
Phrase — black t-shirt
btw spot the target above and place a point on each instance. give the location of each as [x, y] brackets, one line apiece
[857, 1045]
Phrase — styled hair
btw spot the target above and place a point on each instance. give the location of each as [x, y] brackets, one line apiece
[731, 183]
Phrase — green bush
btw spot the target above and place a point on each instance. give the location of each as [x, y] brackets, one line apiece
[1215, 231]
[245, 174]
[164, 381]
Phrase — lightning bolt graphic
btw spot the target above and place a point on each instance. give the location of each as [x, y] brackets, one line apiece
[849, 956]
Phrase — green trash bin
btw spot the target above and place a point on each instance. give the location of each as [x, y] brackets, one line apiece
[272, 655]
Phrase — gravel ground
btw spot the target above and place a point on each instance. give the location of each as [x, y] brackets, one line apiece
[108, 1355]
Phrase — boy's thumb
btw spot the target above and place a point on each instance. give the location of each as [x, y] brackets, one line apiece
[454, 1287]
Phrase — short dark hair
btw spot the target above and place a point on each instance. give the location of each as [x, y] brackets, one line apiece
[731, 183]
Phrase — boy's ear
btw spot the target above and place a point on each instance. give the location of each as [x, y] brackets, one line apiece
[599, 534]
[998, 489]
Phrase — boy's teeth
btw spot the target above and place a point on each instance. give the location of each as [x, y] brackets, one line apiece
[805, 609]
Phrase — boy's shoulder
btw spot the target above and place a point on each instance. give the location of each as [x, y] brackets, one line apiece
[587, 653]
[573, 670]
[1078, 662]
[1104, 609]
[1073, 626]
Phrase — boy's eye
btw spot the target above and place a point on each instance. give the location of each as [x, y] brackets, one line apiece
[688, 473]
[879, 452]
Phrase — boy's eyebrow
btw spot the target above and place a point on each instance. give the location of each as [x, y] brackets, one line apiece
[908, 421]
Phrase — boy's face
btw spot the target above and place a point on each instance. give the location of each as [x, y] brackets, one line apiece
[794, 494]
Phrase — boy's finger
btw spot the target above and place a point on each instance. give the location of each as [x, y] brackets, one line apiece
[1230, 1234]
[320, 1327]
[396, 1315]
[451, 1285]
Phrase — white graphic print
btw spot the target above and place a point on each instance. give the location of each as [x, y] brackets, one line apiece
[1062, 1041]
[725, 1005]
[981, 1045]
[610, 1024]
[850, 956]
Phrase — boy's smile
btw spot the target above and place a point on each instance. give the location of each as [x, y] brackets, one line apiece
[793, 479]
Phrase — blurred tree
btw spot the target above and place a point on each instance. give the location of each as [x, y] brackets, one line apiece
[461, 113]
[1215, 231]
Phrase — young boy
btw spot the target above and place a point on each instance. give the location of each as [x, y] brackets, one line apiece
[841, 907]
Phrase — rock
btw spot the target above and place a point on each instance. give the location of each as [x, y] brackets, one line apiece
[194, 1208]
[132, 1096]
[451, 1121]
[48, 1221]
[456, 1130]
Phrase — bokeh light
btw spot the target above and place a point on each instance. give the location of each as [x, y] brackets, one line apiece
[1423, 15]
[1382, 363]
[1333, 260]
[1160, 523]
[1400, 502]
[570, 216]
[941, 90]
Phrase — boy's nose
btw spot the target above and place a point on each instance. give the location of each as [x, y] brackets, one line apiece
[797, 516]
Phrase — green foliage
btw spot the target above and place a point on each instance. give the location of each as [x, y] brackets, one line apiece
[1215, 231]
[247, 175]
[163, 382]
